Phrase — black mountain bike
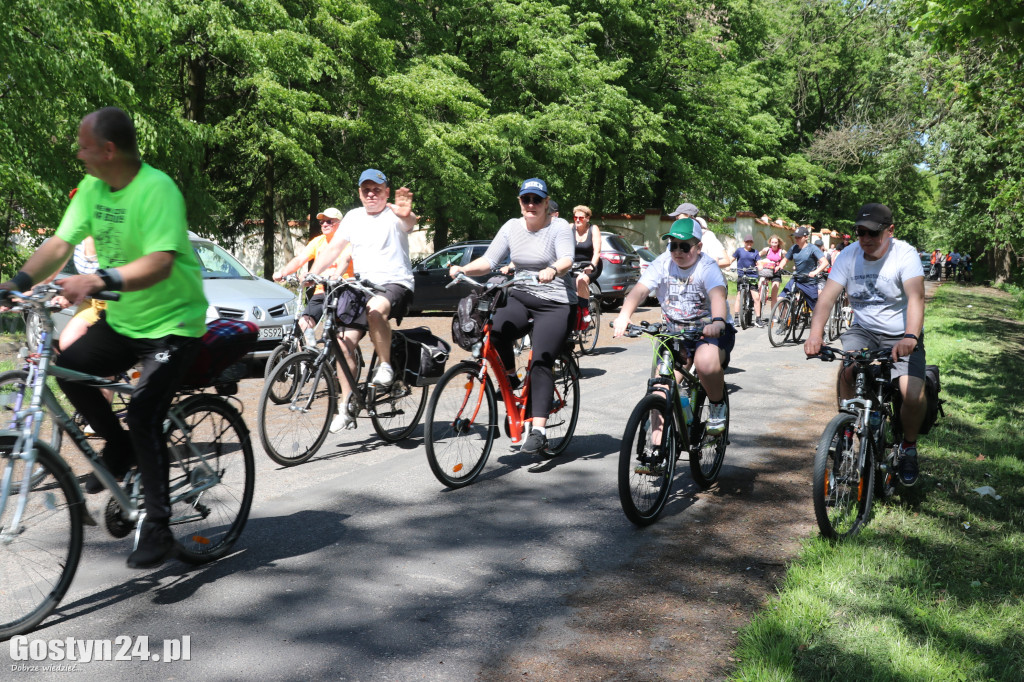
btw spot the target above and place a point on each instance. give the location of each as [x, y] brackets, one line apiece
[858, 454]
[746, 284]
[661, 428]
[791, 316]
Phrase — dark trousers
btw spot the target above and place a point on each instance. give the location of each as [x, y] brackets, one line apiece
[550, 326]
[103, 352]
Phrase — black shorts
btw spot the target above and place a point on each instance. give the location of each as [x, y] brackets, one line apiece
[315, 307]
[398, 296]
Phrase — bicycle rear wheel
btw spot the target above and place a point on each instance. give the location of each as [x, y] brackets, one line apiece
[843, 488]
[647, 462]
[588, 337]
[801, 320]
[707, 451]
[38, 560]
[565, 409]
[212, 477]
[779, 325]
[398, 408]
[292, 431]
[460, 426]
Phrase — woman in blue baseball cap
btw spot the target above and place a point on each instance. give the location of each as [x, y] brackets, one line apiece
[541, 244]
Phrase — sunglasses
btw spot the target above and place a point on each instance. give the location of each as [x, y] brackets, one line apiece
[579, 217]
[680, 246]
[865, 232]
[531, 199]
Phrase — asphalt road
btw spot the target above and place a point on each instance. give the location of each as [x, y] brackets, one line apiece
[359, 565]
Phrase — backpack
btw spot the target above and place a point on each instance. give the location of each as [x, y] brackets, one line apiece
[933, 409]
[220, 348]
[421, 355]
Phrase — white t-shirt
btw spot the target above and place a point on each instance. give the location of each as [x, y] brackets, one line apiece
[683, 294]
[380, 246]
[876, 288]
[711, 246]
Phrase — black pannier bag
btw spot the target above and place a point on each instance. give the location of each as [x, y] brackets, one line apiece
[468, 322]
[422, 356]
[933, 409]
[221, 347]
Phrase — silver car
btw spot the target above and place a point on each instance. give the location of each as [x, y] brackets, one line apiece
[233, 293]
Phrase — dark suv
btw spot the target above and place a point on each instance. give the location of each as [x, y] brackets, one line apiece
[620, 272]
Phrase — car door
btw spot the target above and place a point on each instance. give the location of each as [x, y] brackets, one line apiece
[431, 276]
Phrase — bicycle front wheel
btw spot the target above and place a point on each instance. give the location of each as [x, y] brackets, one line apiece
[647, 460]
[16, 394]
[707, 451]
[460, 426]
[212, 477]
[843, 488]
[397, 409]
[746, 308]
[38, 559]
[779, 325]
[565, 407]
[292, 431]
[283, 350]
[801, 320]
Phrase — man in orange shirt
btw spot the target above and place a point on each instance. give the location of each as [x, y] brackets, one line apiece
[329, 221]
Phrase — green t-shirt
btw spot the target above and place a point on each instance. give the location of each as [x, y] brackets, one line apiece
[145, 217]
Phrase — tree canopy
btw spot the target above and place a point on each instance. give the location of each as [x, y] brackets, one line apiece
[267, 110]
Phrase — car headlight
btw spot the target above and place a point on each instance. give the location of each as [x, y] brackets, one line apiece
[292, 305]
[211, 314]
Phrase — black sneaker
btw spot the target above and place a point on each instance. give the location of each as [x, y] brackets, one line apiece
[156, 545]
[535, 443]
[114, 464]
[908, 466]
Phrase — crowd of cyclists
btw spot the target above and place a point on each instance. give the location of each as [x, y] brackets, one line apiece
[135, 216]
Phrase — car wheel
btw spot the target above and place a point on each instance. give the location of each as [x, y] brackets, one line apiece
[611, 305]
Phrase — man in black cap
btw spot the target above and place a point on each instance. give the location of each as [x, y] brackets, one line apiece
[808, 263]
[885, 282]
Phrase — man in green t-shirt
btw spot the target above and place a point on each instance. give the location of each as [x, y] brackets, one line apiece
[136, 215]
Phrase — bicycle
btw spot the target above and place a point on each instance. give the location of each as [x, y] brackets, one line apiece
[858, 454]
[745, 282]
[662, 427]
[42, 510]
[292, 340]
[582, 334]
[791, 316]
[840, 318]
[301, 395]
[462, 422]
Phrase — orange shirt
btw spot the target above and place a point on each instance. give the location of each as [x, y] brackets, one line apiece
[315, 248]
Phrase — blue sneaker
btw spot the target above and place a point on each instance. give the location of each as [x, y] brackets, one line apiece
[908, 466]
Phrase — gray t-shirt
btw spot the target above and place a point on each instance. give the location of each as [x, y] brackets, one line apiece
[876, 288]
[683, 294]
[534, 251]
[804, 259]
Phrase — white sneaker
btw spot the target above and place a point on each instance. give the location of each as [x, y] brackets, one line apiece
[384, 376]
[717, 418]
[343, 421]
[310, 338]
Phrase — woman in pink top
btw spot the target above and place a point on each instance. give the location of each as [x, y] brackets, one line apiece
[768, 267]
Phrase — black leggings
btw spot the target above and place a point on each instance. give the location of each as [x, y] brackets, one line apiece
[103, 352]
[550, 326]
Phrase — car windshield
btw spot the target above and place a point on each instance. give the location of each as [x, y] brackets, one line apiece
[617, 243]
[216, 263]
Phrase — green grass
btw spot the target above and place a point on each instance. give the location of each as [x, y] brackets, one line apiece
[930, 590]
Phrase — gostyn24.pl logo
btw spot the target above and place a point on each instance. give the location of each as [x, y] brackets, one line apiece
[124, 648]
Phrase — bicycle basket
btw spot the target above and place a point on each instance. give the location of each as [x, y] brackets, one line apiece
[224, 343]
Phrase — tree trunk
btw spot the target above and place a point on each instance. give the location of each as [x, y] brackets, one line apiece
[1003, 258]
[269, 226]
[440, 228]
[314, 208]
[195, 99]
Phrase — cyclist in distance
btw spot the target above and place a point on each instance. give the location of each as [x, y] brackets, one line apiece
[379, 235]
[541, 244]
[885, 282]
[330, 219]
[805, 257]
[771, 259]
[136, 215]
[690, 286]
[588, 250]
[746, 265]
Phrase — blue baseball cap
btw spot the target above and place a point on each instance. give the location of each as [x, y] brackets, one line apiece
[534, 186]
[373, 175]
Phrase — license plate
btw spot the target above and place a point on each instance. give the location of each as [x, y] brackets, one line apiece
[271, 332]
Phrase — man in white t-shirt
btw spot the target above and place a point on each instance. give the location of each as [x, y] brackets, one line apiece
[689, 287]
[379, 235]
[885, 283]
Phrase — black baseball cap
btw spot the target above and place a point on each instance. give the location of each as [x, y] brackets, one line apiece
[873, 216]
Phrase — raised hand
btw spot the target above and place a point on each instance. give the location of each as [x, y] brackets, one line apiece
[403, 202]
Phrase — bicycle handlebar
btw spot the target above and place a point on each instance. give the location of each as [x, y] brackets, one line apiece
[689, 332]
[363, 285]
[490, 286]
[41, 297]
[861, 357]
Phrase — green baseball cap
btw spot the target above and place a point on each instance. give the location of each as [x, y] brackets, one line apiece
[684, 228]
